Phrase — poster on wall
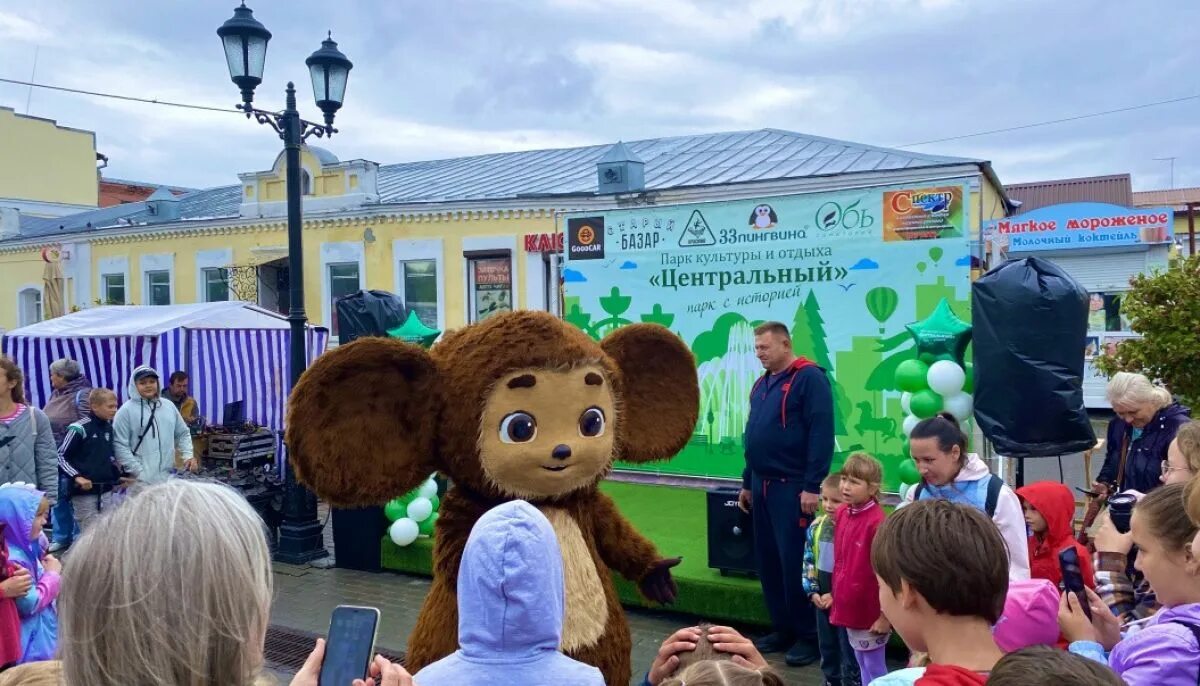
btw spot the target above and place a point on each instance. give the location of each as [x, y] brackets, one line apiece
[493, 286]
[845, 271]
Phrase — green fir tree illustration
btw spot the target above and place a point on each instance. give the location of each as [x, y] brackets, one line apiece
[808, 340]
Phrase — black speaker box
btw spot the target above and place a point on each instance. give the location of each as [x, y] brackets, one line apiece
[730, 534]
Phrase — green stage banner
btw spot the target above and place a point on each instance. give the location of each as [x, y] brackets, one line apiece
[844, 270]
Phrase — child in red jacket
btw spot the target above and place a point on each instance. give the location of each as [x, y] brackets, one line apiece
[1050, 513]
[855, 588]
[15, 583]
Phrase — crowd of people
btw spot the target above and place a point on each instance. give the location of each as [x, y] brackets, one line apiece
[968, 572]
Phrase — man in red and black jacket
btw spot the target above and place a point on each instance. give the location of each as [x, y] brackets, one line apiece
[789, 445]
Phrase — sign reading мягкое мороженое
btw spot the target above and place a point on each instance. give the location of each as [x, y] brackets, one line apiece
[1071, 226]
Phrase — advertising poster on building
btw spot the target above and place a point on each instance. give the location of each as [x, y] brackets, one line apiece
[1071, 226]
[825, 264]
[493, 286]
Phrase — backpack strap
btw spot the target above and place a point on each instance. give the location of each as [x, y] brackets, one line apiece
[995, 485]
[917, 490]
[1196, 633]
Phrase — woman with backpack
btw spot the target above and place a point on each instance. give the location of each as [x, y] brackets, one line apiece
[27, 450]
[948, 472]
[68, 404]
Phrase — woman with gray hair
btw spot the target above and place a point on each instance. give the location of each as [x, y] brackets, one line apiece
[139, 607]
[68, 404]
[1139, 436]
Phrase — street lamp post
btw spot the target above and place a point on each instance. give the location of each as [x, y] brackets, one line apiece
[245, 42]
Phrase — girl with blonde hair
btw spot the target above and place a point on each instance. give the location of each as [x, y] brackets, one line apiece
[173, 588]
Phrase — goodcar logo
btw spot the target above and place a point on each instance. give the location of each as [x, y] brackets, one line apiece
[585, 238]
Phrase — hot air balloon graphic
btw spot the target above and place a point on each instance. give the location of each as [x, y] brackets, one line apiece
[881, 303]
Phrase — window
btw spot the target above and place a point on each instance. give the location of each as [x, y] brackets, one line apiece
[490, 289]
[158, 288]
[112, 289]
[419, 290]
[216, 284]
[343, 280]
[305, 182]
[30, 300]
[1104, 312]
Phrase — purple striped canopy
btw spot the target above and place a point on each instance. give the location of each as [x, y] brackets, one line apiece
[231, 351]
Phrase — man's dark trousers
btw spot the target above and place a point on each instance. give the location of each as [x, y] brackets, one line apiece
[780, 527]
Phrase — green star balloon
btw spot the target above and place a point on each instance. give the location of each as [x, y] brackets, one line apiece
[941, 333]
[413, 331]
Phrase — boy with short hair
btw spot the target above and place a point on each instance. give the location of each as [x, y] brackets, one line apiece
[86, 457]
[837, 657]
[1044, 666]
[943, 576]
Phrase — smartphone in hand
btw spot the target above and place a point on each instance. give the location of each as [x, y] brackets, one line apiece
[350, 645]
[1072, 572]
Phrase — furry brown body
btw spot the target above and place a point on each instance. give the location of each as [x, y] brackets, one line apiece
[518, 406]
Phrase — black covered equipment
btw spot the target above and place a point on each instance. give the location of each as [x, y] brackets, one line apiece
[1030, 326]
[368, 313]
[730, 534]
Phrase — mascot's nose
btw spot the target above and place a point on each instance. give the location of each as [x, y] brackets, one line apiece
[561, 452]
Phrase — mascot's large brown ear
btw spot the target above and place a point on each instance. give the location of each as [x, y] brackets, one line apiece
[661, 395]
[362, 422]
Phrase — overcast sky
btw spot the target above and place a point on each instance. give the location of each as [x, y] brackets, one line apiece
[458, 77]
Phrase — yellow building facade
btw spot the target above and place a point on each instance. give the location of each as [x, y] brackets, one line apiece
[46, 169]
[455, 239]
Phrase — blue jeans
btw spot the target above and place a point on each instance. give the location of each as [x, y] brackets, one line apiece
[65, 526]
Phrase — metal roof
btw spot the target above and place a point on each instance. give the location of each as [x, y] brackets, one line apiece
[1174, 197]
[674, 162]
[1115, 189]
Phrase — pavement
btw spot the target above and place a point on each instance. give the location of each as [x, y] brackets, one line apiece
[306, 595]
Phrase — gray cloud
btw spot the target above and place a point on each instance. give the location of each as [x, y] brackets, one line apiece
[459, 77]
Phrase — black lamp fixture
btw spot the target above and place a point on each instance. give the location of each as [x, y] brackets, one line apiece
[329, 70]
[245, 42]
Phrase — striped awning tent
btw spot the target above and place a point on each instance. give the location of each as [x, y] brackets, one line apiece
[231, 351]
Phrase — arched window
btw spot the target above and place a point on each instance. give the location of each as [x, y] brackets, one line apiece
[305, 182]
[29, 302]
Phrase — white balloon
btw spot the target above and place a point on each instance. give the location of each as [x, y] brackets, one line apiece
[960, 405]
[906, 402]
[910, 423]
[428, 489]
[903, 490]
[404, 531]
[420, 509]
[946, 378]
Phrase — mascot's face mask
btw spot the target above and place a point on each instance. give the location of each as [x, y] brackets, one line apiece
[521, 405]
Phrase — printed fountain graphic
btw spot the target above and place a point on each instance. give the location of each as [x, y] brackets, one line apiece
[829, 267]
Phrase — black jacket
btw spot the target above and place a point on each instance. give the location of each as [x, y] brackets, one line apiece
[789, 432]
[87, 451]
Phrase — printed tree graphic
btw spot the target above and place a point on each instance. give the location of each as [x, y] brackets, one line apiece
[808, 340]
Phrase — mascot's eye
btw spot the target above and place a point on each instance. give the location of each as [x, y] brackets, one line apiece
[591, 422]
[518, 427]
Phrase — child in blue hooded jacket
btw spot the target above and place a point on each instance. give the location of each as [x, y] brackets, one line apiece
[24, 509]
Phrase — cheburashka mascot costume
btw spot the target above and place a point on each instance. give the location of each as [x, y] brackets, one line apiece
[519, 406]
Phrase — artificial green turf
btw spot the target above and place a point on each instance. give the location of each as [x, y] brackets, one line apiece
[675, 519]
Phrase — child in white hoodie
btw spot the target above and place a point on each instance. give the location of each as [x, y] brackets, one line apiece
[148, 431]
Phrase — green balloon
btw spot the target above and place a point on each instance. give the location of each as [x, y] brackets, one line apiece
[925, 404]
[426, 527]
[942, 332]
[395, 510]
[910, 376]
[407, 498]
[928, 358]
[909, 473]
[435, 501]
[969, 385]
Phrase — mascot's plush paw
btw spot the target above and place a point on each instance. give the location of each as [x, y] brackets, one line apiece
[658, 585]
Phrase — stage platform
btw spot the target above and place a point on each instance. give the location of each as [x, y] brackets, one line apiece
[675, 519]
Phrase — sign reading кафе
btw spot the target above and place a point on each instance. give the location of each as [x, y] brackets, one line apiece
[1083, 225]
